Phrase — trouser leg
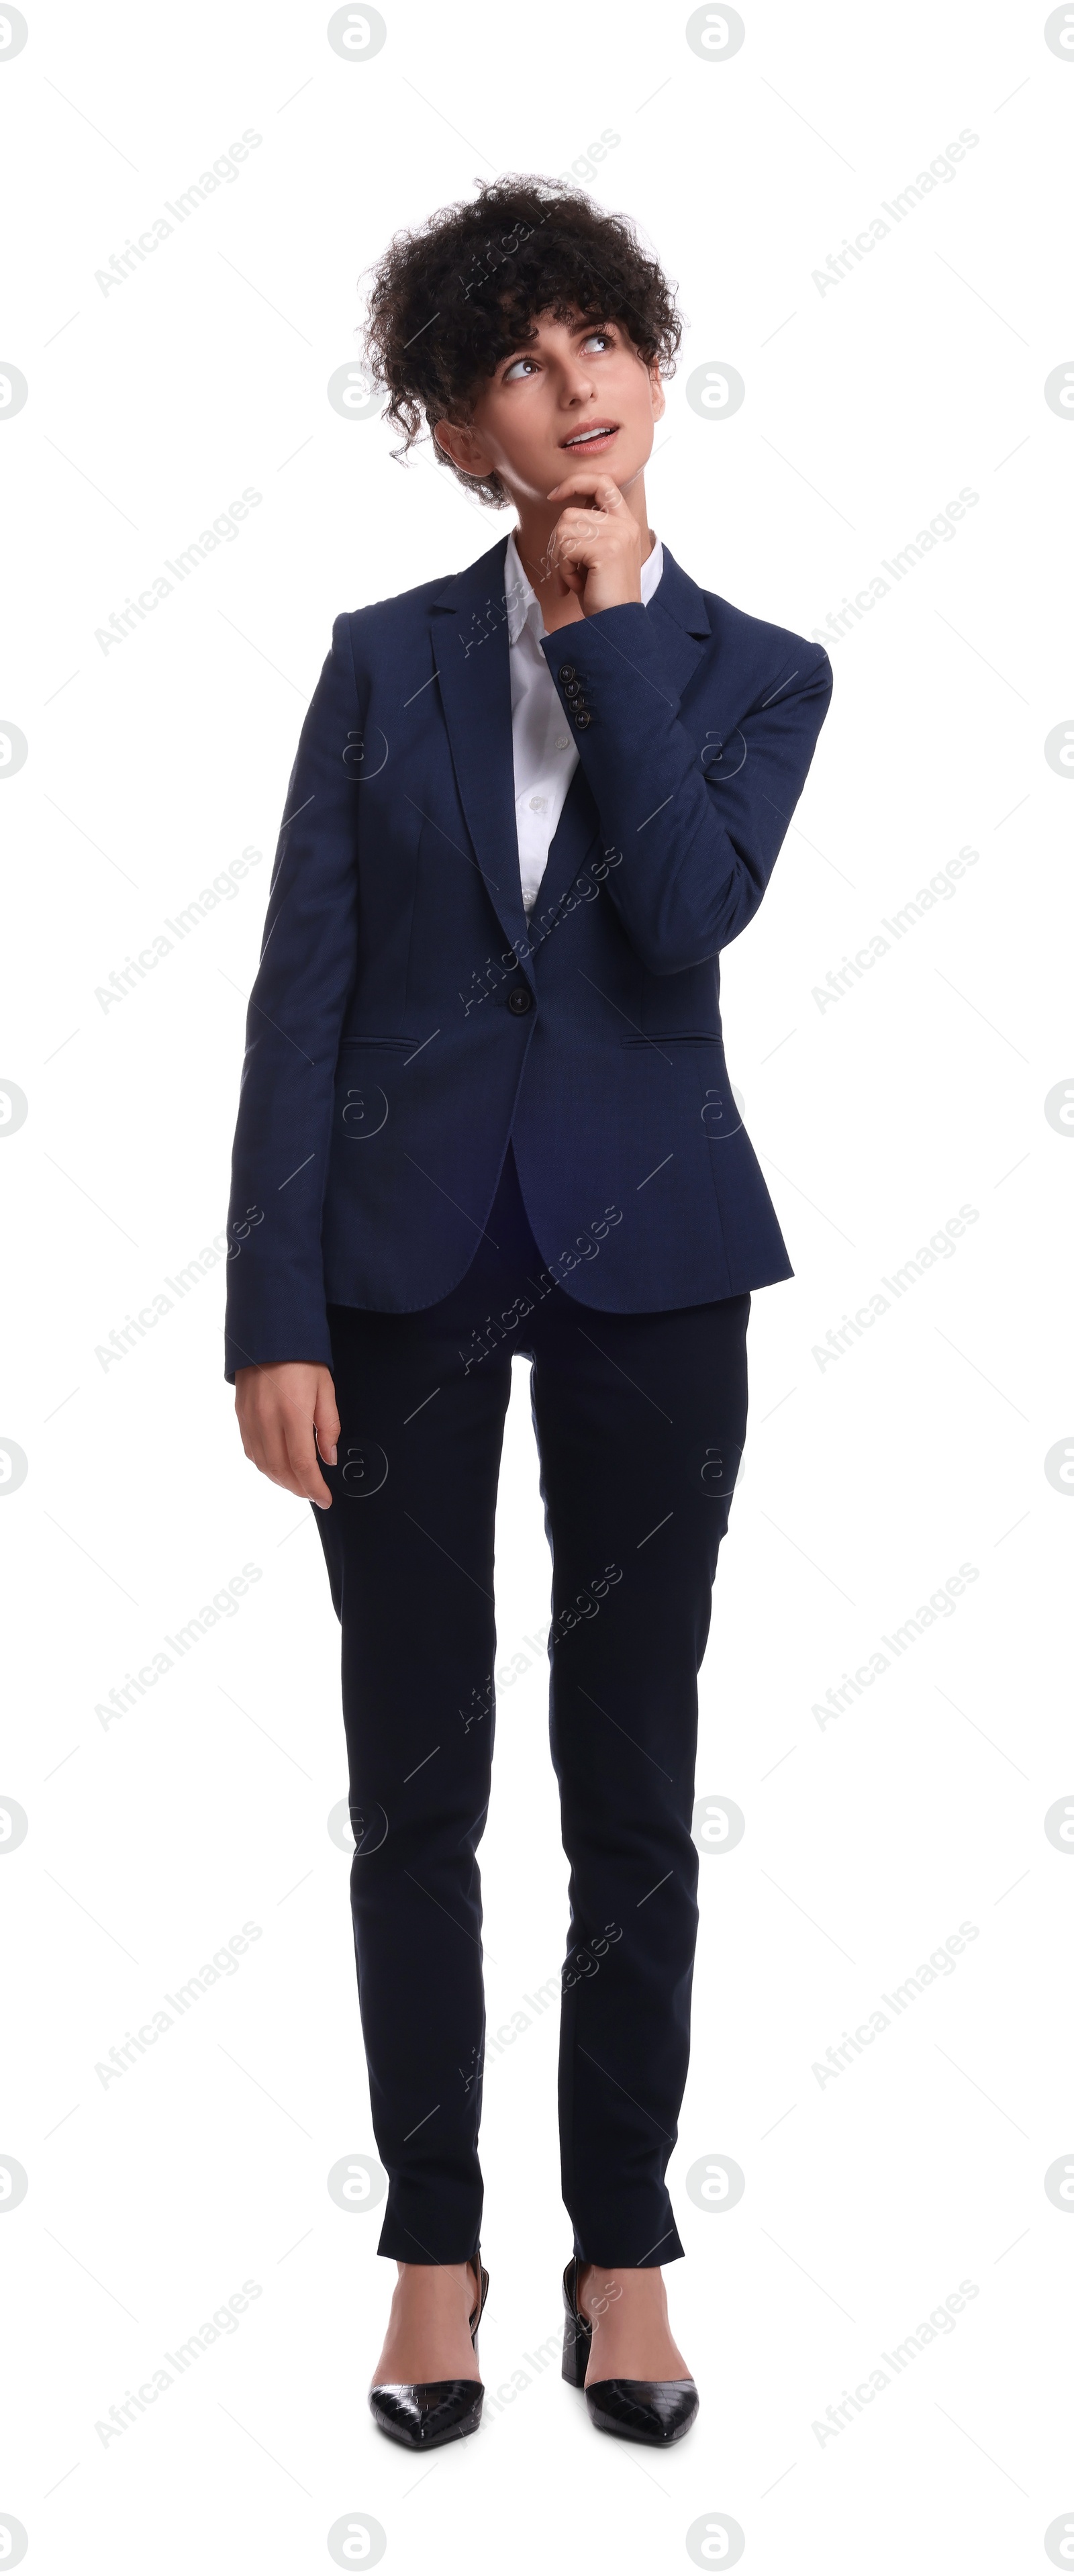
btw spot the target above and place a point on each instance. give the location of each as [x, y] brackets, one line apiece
[640, 1421]
[409, 1546]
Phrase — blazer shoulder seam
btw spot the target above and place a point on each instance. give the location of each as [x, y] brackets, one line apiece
[782, 641]
[421, 595]
[344, 619]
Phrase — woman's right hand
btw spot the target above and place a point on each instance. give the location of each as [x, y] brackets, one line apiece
[287, 1413]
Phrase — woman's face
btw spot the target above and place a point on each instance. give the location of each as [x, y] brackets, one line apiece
[533, 419]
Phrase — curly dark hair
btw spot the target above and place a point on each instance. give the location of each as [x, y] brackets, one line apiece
[461, 291]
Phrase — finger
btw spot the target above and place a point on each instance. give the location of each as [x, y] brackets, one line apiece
[587, 528]
[275, 1461]
[589, 481]
[576, 553]
[266, 1444]
[595, 538]
[581, 555]
[302, 1459]
[588, 533]
[326, 1423]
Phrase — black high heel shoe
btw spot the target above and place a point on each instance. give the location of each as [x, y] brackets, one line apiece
[639, 2410]
[424, 2413]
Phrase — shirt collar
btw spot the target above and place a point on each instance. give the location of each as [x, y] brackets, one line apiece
[523, 605]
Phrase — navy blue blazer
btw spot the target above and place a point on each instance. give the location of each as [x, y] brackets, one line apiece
[405, 1019]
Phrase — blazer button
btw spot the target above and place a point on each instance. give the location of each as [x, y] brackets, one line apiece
[572, 688]
[521, 999]
[567, 671]
[582, 716]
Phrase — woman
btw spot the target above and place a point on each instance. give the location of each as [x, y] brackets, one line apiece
[485, 1111]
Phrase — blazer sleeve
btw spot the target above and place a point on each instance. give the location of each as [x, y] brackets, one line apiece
[697, 842]
[275, 1280]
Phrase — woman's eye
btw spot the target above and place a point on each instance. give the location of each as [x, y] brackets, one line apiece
[515, 363]
[606, 336]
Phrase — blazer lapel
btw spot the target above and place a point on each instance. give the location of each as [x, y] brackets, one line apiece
[679, 617]
[572, 841]
[681, 627]
[473, 670]
[472, 662]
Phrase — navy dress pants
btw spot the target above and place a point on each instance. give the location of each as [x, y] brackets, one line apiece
[640, 1422]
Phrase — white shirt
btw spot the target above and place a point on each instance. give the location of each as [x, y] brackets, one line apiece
[545, 751]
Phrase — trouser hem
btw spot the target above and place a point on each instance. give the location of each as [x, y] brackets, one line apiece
[400, 2244]
[628, 2239]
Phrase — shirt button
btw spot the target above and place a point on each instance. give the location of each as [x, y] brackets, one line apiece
[563, 742]
[521, 999]
[537, 804]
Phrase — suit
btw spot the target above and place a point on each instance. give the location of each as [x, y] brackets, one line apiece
[466, 1136]
[406, 1019]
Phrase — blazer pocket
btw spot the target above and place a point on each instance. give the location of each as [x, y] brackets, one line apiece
[674, 1037]
[407, 1044]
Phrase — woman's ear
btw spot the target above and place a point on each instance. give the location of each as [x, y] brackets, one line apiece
[461, 445]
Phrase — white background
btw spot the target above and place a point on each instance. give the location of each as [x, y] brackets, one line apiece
[868, 1480]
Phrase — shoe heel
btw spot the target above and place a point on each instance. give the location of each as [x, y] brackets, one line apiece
[575, 2354]
[577, 2332]
[478, 2312]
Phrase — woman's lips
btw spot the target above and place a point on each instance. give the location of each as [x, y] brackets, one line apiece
[590, 446]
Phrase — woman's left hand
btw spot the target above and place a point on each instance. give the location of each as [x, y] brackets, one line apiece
[596, 550]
